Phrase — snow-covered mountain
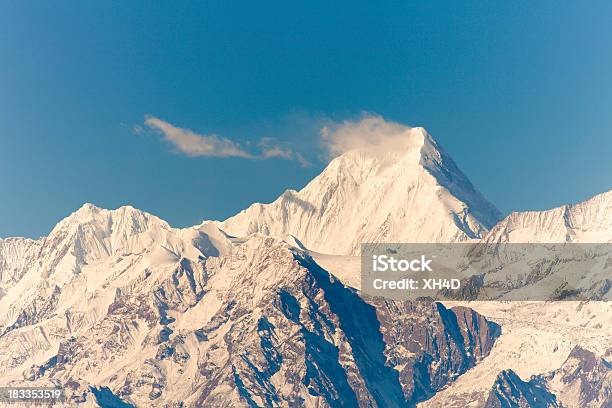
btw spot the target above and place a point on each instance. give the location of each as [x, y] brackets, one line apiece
[86, 237]
[413, 193]
[539, 337]
[263, 309]
[79, 251]
[115, 305]
[589, 221]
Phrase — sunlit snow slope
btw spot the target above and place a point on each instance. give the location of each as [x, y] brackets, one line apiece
[414, 193]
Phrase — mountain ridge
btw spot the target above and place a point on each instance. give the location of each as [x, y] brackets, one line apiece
[586, 221]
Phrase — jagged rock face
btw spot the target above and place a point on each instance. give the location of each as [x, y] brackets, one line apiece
[509, 391]
[584, 381]
[415, 193]
[252, 324]
[431, 345]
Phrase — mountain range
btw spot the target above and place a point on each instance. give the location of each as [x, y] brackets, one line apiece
[263, 310]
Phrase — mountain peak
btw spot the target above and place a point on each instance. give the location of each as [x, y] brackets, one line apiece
[403, 188]
[84, 212]
[89, 207]
[92, 233]
[90, 214]
[410, 143]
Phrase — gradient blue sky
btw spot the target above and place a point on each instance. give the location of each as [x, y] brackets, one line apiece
[519, 94]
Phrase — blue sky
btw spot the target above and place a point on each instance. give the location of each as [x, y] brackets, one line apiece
[519, 94]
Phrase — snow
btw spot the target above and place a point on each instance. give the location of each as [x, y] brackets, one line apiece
[91, 256]
[589, 221]
[413, 194]
[98, 260]
[536, 338]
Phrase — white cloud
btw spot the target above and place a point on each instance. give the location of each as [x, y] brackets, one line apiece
[276, 151]
[270, 148]
[193, 144]
[368, 132]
